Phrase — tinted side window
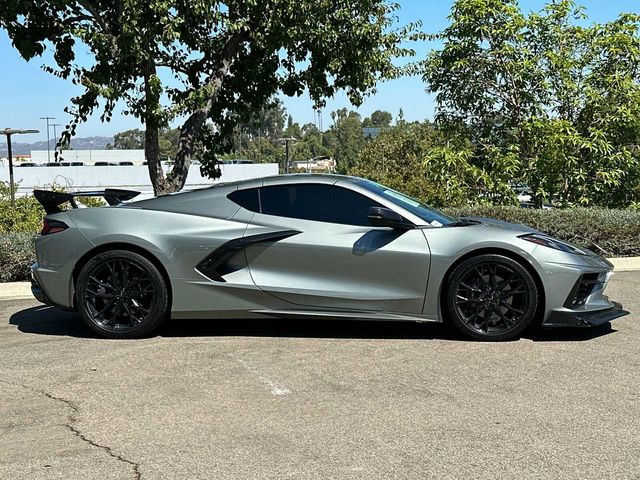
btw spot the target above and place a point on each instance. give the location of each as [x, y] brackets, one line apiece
[246, 199]
[322, 203]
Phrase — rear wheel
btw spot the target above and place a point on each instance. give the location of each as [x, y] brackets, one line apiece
[491, 297]
[121, 294]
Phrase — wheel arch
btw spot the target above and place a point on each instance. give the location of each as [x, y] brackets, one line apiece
[540, 309]
[106, 247]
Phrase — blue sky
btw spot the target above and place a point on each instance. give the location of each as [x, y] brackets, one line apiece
[27, 92]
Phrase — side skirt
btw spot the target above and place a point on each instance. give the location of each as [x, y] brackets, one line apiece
[350, 315]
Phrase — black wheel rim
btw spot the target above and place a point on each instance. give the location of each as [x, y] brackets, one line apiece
[492, 298]
[119, 294]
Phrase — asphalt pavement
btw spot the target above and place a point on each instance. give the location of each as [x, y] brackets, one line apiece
[307, 399]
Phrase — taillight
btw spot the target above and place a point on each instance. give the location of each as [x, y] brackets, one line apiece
[52, 226]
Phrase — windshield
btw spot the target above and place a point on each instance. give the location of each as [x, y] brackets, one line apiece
[430, 215]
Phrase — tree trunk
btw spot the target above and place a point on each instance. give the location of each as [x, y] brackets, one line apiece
[152, 128]
[191, 128]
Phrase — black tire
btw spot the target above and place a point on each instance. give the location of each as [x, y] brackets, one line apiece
[121, 294]
[491, 297]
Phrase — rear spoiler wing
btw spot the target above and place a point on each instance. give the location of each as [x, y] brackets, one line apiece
[51, 201]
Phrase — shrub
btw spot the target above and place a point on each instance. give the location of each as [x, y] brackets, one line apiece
[609, 232]
[26, 217]
[18, 229]
[17, 252]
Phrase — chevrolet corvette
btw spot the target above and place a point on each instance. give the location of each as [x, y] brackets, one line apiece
[307, 246]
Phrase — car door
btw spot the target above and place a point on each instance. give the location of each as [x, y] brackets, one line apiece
[331, 257]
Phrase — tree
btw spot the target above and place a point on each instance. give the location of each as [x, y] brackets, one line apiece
[205, 60]
[379, 118]
[129, 139]
[545, 100]
[345, 138]
[418, 159]
[135, 139]
[169, 141]
[310, 144]
[293, 130]
[267, 122]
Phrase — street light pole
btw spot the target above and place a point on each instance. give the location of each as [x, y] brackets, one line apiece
[48, 145]
[8, 132]
[11, 184]
[287, 155]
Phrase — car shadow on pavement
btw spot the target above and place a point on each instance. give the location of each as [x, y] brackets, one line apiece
[43, 320]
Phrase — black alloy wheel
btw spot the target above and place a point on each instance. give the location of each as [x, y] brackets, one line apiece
[121, 294]
[491, 297]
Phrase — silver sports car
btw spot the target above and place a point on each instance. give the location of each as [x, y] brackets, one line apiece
[317, 246]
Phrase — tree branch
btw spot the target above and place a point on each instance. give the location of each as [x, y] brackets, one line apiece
[191, 127]
[88, 6]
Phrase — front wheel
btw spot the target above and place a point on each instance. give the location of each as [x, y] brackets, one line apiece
[121, 294]
[491, 297]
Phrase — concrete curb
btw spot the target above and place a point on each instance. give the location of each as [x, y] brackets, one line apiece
[22, 290]
[15, 290]
[625, 264]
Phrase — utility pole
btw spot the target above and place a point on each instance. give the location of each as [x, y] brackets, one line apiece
[48, 146]
[8, 132]
[286, 146]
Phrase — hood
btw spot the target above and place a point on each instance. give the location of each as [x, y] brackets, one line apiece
[492, 222]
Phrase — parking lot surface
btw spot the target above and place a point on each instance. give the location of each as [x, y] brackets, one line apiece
[310, 399]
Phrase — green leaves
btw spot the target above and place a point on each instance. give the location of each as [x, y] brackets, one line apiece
[202, 61]
[419, 160]
[558, 101]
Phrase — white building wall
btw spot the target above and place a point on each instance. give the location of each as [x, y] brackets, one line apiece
[90, 156]
[132, 178]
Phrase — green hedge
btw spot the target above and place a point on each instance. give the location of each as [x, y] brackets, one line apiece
[17, 252]
[611, 233]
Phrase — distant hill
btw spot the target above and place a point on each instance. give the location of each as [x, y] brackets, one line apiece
[19, 148]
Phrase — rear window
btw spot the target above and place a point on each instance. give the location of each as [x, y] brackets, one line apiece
[247, 199]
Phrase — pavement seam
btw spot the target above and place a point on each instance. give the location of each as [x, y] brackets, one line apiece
[72, 420]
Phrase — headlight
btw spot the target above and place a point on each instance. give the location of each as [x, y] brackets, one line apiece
[546, 241]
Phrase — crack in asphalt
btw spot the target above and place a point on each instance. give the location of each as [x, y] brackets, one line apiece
[71, 422]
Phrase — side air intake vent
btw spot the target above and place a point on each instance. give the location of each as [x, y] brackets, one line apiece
[217, 264]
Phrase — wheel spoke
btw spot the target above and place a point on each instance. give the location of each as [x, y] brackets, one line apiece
[480, 273]
[124, 266]
[511, 308]
[462, 300]
[511, 293]
[107, 306]
[140, 308]
[484, 326]
[507, 322]
[492, 276]
[98, 294]
[469, 287]
[113, 275]
[506, 282]
[131, 315]
[101, 283]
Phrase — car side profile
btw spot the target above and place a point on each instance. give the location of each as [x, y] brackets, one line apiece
[308, 246]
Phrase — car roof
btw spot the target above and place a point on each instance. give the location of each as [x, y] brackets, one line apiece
[192, 200]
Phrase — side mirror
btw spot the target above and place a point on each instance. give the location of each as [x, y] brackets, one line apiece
[384, 217]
